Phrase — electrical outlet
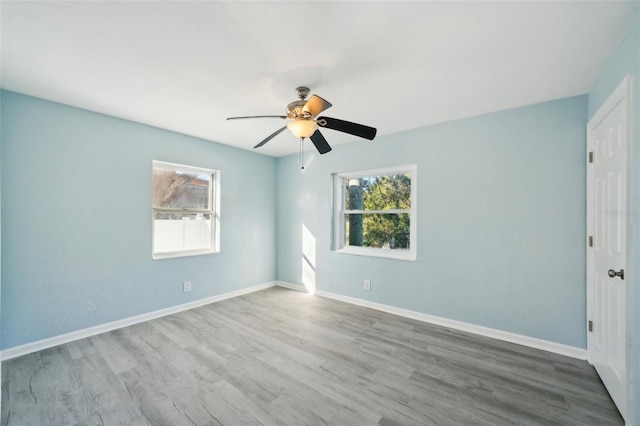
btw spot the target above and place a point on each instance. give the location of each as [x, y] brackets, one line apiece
[186, 286]
[367, 284]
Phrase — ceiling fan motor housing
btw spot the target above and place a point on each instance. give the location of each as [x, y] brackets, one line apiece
[294, 110]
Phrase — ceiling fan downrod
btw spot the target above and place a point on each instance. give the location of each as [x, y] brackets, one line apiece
[302, 92]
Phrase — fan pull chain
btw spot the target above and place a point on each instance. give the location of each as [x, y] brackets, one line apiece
[301, 155]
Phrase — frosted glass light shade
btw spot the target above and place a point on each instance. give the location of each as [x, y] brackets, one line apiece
[302, 128]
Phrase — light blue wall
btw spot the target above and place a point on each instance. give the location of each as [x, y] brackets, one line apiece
[0, 233]
[626, 60]
[501, 221]
[76, 220]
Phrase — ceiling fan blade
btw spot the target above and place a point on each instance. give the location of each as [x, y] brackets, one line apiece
[316, 105]
[320, 142]
[347, 127]
[271, 136]
[257, 116]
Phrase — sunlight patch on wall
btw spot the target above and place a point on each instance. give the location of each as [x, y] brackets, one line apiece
[308, 260]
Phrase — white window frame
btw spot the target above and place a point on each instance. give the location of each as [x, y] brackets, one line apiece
[340, 212]
[213, 210]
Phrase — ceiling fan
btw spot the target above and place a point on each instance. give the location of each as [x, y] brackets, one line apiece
[305, 122]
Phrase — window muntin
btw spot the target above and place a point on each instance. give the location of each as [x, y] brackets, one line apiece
[374, 212]
[185, 211]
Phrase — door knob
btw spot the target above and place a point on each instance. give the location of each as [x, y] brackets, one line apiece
[613, 273]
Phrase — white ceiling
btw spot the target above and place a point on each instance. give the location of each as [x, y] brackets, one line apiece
[185, 66]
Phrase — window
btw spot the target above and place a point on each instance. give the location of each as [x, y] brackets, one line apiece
[186, 206]
[375, 212]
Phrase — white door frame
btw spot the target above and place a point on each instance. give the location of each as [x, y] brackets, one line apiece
[622, 93]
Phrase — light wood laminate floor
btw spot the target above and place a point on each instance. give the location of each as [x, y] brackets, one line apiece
[283, 357]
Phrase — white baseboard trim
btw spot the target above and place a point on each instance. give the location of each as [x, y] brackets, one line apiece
[50, 342]
[545, 345]
[532, 342]
[290, 286]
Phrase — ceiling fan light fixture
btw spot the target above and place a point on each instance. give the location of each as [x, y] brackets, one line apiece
[302, 128]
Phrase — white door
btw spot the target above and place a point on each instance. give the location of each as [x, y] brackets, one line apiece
[608, 220]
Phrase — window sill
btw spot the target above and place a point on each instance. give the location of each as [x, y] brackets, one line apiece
[409, 255]
[172, 255]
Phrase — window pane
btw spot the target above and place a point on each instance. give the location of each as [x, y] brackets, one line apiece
[391, 192]
[181, 231]
[391, 231]
[175, 189]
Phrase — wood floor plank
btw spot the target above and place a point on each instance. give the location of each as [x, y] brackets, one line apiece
[281, 357]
